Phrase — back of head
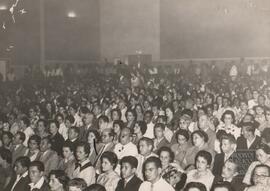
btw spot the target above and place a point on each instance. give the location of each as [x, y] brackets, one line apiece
[95, 187]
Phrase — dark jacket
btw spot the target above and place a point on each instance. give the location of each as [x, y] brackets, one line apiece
[57, 143]
[132, 185]
[23, 184]
[242, 144]
[219, 163]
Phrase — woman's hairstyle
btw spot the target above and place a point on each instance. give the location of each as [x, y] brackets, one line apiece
[204, 154]
[143, 126]
[167, 149]
[264, 147]
[228, 112]
[35, 138]
[197, 185]
[112, 158]
[61, 176]
[95, 187]
[117, 111]
[202, 134]
[6, 155]
[120, 123]
[78, 183]
[225, 184]
[183, 133]
[96, 133]
[133, 113]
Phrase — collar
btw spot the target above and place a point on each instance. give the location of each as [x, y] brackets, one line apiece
[38, 185]
[24, 174]
[73, 140]
[84, 162]
[127, 180]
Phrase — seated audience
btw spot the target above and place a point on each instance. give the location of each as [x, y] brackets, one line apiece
[77, 184]
[58, 180]
[6, 171]
[37, 179]
[68, 162]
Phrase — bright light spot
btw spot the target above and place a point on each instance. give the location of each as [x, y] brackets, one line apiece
[72, 14]
[3, 7]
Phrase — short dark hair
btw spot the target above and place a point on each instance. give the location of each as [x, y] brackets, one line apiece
[266, 135]
[228, 137]
[225, 184]
[133, 161]
[117, 111]
[24, 161]
[182, 132]
[154, 160]
[120, 123]
[35, 138]
[198, 185]
[104, 118]
[250, 126]
[112, 158]
[95, 187]
[133, 113]
[61, 176]
[228, 112]
[259, 166]
[22, 135]
[43, 121]
[204, 154]
[6, 155]
[143, 126]
[167, 149]
[85, 145]
[148, 141]
[160, 125]
[76, 129]
[78, 183]
[69, 145]
[38, 164]
[201, 133]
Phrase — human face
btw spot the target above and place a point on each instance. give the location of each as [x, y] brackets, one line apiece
[88, 119]
[115, 116]
[16, 140]
[147, 118]
[106, 138]
[228, 119]
[152, 173]
[165, 158]
[243, 106]
[221, 189]
[68, 124]
[193, 189]
[40, 126]
[127, 170]
[54, 183]
[72, 134]
[183, 124]
[81, 155]
[201, 164]
[261, 176]
[19, 169]
[44, 145]
[106, 165]
[181, 140]
[262, 156]
[203, 122]
[137, 128]
[267, 115]
[102, 124]
[130, 117]
[246, 133]
[53, 128]
[74, 188]
[67, 152]
[158, 132]
[125, 137]
[198, 140]
[144, 149]
[34, 174]
[91, 138]
[229, 170]
[226, 146]
[33, 145]
[259, 111]
[116, 128]
[255, 95]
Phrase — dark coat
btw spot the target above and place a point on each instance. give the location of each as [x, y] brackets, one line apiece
[132, 185]
[21, 185]
[242, 144]
[219, 163]
[57, 143]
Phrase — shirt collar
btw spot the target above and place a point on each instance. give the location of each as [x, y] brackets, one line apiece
[38, 184]
[84, 162]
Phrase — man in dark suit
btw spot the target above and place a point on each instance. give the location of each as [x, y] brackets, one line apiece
[89, 123]
[73, 136]
[228, 146]
[230, 174]
[249, 141]
[57, 140]
[36, 172]
[21, 179]
[18, 148]
[129, 181]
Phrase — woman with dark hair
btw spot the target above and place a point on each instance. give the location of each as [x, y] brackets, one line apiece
[195, 186]
[199, 141]
[93, 138]
[95, 187]
[33, 151]
[180, 148]
[67, 163]
[139, 130]
[6, 171]
[58, 180]
[131, 117]
[109, 178]
[202, 172]
[228, 124]
[139, 112]
[118, 125]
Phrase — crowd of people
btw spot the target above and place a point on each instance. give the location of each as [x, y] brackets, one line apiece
[191, 127]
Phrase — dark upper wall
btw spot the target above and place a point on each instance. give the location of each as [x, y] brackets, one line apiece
[211, 28]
